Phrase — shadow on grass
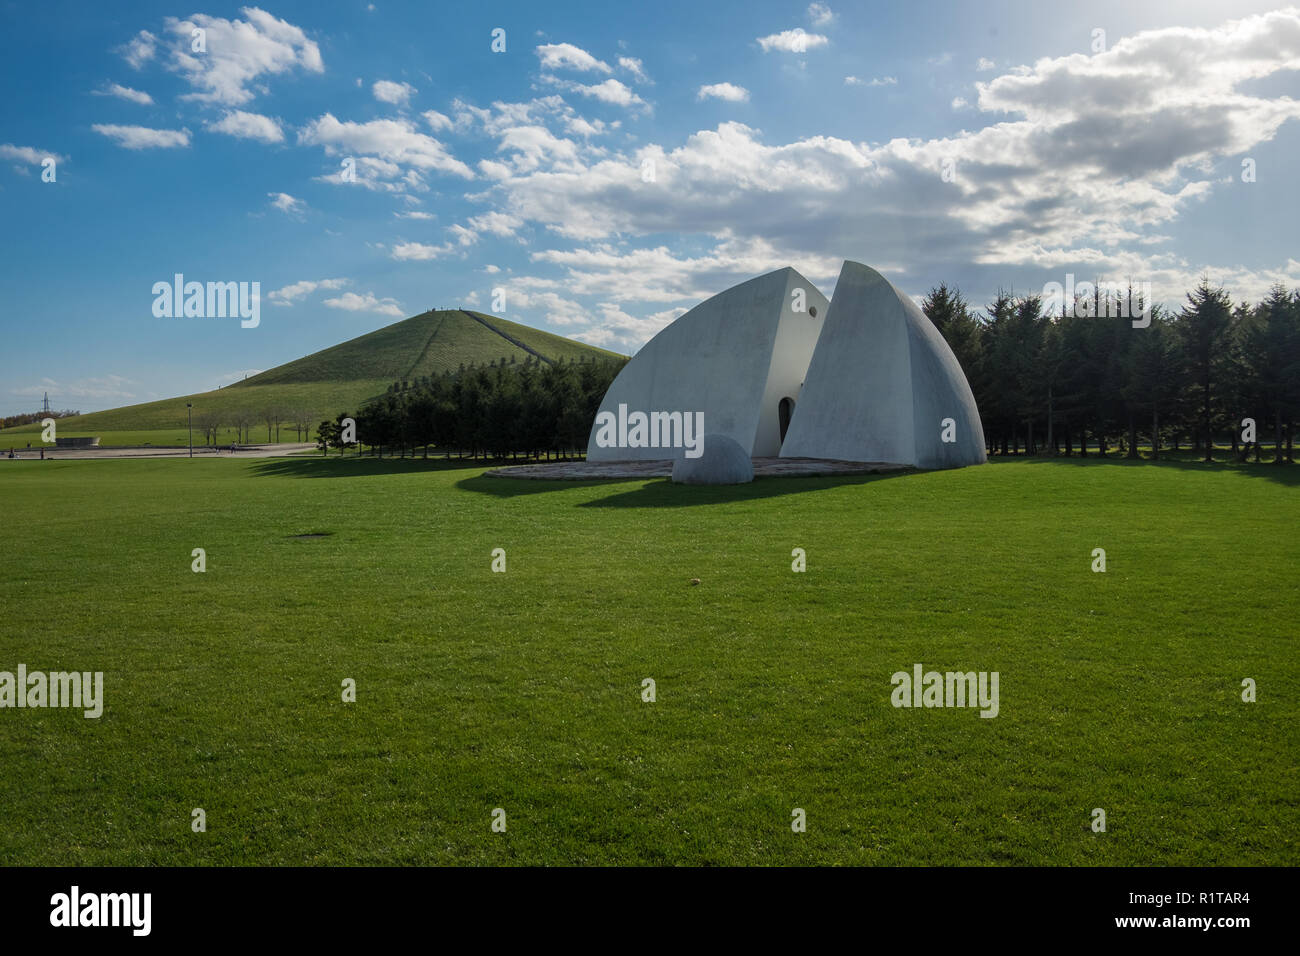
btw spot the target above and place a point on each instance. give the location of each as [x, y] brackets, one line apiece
[662, 493]
[353, 467]
[1283, 474]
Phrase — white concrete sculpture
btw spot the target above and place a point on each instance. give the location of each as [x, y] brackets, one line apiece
[771, 367]
[735, 358]
[883, 385]
[724, 462]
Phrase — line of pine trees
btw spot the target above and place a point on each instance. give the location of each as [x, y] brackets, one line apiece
[507, 410]
[1062, 384]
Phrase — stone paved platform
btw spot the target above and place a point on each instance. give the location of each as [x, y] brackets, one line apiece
[763, 468]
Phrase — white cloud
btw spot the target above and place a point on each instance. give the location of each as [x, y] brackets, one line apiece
[142, 137]
[244, 125]
[635, 67]
[566, 56]
[797, 40]
[415, 214]
[139, 50]
[820, 14]
[875, 81]
[287, 295]
[437, 121]
[959, 103]
[386, 91]
[392, 153]
[496, 223]
[983, 64]
[239, 53]
[100, 387]
[28, 154]
[610, 91]
[723, 91]
[125, 93]
[1082, 164]
[287, 204]
[419, 251]
[351, 302]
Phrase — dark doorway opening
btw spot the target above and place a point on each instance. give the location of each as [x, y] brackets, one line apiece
[783, 413]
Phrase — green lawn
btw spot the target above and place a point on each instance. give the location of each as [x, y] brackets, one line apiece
[522, 690]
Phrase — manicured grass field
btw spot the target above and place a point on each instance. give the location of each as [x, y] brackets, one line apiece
[478, 690]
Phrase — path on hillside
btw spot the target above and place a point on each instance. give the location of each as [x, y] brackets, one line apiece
[509, 338]
[410, 372]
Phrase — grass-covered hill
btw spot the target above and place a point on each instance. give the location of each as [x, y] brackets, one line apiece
[341, 377]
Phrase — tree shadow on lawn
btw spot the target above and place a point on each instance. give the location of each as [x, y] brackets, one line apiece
[354, 467]
[663, 493]
[1283, 474]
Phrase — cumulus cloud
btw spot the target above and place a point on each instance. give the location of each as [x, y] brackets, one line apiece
[139, 50]
[984, 64]
[351, 302]
[820, 14]
[97, 388]
[243, 125]
[386, 91]
[566, 56]
[723, 91]
[797, 40]
[419, 251]
[391, 155]
[1081, 163]
[125, 93]
[287, 204]
[239, 53]
[142, 137]
[289, 294]
[875, 81]
[28, 154]
[437, 121]
[634, 66]
[611, 91]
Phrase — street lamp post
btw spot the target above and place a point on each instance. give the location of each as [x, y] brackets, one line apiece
[190, 408]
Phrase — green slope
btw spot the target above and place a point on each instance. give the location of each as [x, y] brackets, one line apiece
[343, 376]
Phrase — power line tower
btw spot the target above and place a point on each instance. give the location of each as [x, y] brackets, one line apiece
[45, 409]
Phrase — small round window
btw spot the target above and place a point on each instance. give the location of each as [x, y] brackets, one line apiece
[812, 310]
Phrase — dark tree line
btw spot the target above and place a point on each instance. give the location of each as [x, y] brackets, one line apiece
[505, 410]
[26, 418]
[1087, 379]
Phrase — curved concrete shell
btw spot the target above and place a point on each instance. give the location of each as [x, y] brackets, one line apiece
[883, 385]
[737, 358]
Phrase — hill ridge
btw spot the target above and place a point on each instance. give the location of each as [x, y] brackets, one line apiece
[339, 378]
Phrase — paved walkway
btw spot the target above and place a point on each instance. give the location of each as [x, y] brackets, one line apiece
[763, 468]
[244, 451]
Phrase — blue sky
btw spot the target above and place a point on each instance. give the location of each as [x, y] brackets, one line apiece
[613, 166]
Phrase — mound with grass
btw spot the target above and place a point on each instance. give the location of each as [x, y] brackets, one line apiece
[335, 379]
